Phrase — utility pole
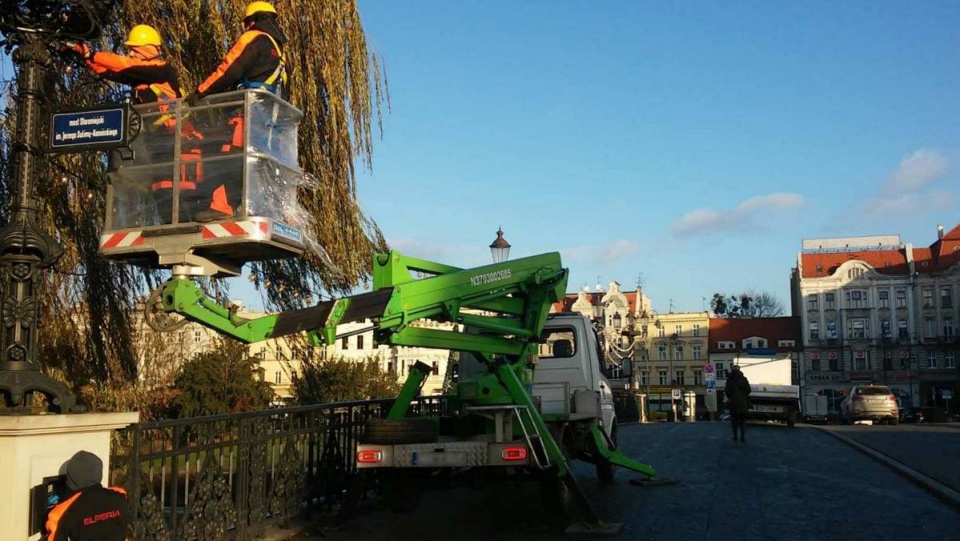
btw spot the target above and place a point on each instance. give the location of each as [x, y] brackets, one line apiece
[26, 250]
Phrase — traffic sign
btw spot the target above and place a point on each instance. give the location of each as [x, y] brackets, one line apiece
[946, 394]
[711, 384]
[708, 369]
[89, 129]
[675, 394]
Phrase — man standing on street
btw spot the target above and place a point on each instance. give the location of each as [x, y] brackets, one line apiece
[738, 401]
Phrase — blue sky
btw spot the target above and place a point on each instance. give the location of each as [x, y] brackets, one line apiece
[694, 144]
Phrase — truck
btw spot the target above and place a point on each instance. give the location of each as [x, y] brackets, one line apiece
[773, 397]
[815, 409]
[530, 395]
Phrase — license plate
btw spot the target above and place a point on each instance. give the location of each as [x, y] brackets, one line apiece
[768, 409]
[449, 459]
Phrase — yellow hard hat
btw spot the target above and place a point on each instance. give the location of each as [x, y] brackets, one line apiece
[259, 7]
[143, 34]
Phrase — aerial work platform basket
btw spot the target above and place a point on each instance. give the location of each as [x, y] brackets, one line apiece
[208, 188]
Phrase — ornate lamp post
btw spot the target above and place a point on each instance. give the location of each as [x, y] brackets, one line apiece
[500, 248]
[26, 250]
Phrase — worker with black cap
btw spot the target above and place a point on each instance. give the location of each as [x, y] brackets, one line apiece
[92, 512]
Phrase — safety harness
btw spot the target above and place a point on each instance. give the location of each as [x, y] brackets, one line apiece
[278, 79]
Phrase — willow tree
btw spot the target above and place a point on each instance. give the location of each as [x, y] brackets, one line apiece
[335, 80]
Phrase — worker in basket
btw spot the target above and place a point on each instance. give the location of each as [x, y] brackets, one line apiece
[153, 80]
[256, 60]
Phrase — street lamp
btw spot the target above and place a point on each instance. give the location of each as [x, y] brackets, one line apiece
[500, 248]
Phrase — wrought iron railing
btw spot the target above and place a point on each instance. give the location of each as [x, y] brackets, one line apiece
[229, 477]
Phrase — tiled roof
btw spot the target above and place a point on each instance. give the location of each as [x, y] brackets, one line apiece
[941, 255]
[734, 330]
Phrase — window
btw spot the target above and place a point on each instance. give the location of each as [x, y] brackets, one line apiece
[390, 367]
[786, 343]
[661, 332]
[679, 376]
[644, 377]
[360, 342]
[197, 336]
[830, 300]
[436, 368]
[661, 352]
[662, 377]
[855, 273]
[276, 377]
[721, 370]
[949, 361]
[948, 326]
[815, 365]
[901, 298]
[293, 375]
[678, 330]
[860, 361]
[903, 331]
[927, 297]
[831, 330]
[887, 362]
[344, 343]
[930, 327]
[883, 299]
[698, 377]
[678, 352]
[725, 345]
[813, 303]
[696, 329]
[697, 352]
[932, 359]
[946, 297]
[834, 365]
[856, 298]
[885, 327]
[858, 328]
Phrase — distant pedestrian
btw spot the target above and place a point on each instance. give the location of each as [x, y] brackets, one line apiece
[738, 401]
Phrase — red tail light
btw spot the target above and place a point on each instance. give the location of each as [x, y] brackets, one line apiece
[514, 453]
[369, 457]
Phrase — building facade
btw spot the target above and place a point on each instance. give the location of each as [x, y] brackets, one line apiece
[876, 310]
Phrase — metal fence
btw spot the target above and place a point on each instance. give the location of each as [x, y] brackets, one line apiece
[228, 477]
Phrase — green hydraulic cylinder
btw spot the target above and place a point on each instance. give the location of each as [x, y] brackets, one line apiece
[411, 387]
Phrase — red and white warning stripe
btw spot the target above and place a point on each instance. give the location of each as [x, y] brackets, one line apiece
[256, 230]
[121, 240]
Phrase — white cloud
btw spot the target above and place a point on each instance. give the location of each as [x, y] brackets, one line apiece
[604, 254]
[914, 172]
[706, 221]
[906, 190]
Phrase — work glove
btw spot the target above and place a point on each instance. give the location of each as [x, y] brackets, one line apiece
[78, 48]
[191, 99]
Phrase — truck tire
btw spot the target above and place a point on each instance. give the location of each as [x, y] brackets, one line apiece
[398, 491]
[607, 470]
[791, 418]
[397, 432]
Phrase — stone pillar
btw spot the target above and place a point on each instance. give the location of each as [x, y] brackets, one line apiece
[36, 446]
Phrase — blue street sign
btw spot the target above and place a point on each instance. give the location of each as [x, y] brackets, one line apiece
[98, 129]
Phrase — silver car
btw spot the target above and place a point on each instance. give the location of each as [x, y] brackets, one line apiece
[870, 402]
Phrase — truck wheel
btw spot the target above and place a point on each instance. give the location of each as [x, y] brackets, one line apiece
[791, 418]
[396, 432]
[606, 470]
[397, 491]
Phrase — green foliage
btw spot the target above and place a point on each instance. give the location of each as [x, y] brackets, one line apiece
[225, 379]
[339, 380]
[744, 305]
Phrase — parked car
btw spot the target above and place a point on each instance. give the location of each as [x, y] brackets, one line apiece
[928, 414]
[870, 402]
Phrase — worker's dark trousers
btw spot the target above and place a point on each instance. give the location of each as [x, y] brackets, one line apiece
[739, 423]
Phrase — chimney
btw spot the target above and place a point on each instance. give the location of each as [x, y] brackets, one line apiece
[939, 231]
